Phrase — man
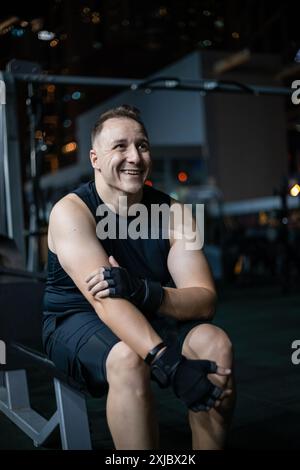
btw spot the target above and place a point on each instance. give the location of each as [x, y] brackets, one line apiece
[108, 306]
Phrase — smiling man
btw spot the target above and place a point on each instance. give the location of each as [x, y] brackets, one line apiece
[120, 311]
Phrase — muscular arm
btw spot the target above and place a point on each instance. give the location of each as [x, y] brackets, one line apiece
[73, 234]
[194, 296]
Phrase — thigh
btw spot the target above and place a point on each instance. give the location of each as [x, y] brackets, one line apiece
[79, 346]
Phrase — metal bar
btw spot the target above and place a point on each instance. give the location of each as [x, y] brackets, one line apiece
[17, 389]
[163, 83]
[11, 167]
[3, 220]
[27, 419]
[73, 419]
[76, 80]
[217, 87]
[46, 429]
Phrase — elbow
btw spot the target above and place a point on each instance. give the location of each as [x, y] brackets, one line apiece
[210, 314]
[209, 308]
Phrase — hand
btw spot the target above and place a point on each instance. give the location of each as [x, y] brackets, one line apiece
[227, 391]
[192, 385]
[188, 378]
[116, 281]
[97, 285]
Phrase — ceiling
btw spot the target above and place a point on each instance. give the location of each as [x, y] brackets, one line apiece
[131, 38]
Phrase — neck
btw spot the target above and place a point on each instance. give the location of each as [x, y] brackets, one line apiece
[119, 200]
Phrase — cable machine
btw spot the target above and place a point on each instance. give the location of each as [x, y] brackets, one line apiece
[11, 201]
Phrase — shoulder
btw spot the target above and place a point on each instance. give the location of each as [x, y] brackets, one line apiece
[69, 208]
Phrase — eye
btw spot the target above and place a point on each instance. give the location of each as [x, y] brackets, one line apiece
[120, 146]
[143, 146]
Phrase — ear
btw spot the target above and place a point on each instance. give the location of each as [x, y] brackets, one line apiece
[94, 159]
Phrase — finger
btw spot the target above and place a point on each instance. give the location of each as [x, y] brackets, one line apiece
[223, 371]
[113, 262]
[112, 292]
[94, 281]
[215, 393]
[226, 393]
[107, 273]
[102, 294]
[99, 287]
[93, 274]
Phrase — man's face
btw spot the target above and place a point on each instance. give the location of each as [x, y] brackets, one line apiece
[121, 155]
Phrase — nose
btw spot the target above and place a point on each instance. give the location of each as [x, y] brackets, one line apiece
[133, 155]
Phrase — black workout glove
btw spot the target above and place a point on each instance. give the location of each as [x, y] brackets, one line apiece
[145, 294]
[188, 378]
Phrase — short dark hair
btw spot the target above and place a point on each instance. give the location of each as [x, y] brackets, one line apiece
[123, 111]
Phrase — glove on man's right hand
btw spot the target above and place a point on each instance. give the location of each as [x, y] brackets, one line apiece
[188, 378]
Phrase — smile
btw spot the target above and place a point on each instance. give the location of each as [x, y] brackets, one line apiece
[132, 172]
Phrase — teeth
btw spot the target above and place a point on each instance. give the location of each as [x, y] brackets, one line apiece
[131, 172]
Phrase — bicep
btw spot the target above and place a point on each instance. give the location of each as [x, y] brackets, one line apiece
[189, 268]
[77, 247]
[187, 263]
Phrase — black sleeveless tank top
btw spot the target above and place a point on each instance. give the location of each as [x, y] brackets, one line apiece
[141, 257]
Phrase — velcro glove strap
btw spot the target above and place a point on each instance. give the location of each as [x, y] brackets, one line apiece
[153, 296]
[164, 367]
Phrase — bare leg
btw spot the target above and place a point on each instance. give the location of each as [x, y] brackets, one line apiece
[209, 429]
[130, 409]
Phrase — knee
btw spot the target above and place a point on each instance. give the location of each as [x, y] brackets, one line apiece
[220, 340]
[124, 367]
[209, 341]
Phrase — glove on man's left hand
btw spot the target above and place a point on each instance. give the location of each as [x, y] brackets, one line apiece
[145, 294]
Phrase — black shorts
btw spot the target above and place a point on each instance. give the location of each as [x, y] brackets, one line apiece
[79, 344]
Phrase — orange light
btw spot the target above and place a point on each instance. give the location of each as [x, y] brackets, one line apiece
[148, 183]
[238, 267]
[70, 147]
[262, 218]
[38, 134]
[51, 88]
[54, 43]
[182, 176]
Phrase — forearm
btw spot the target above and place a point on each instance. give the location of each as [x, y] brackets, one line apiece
[188, 303]
[128, 323]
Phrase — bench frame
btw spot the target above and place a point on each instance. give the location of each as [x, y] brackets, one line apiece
[71, 413]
